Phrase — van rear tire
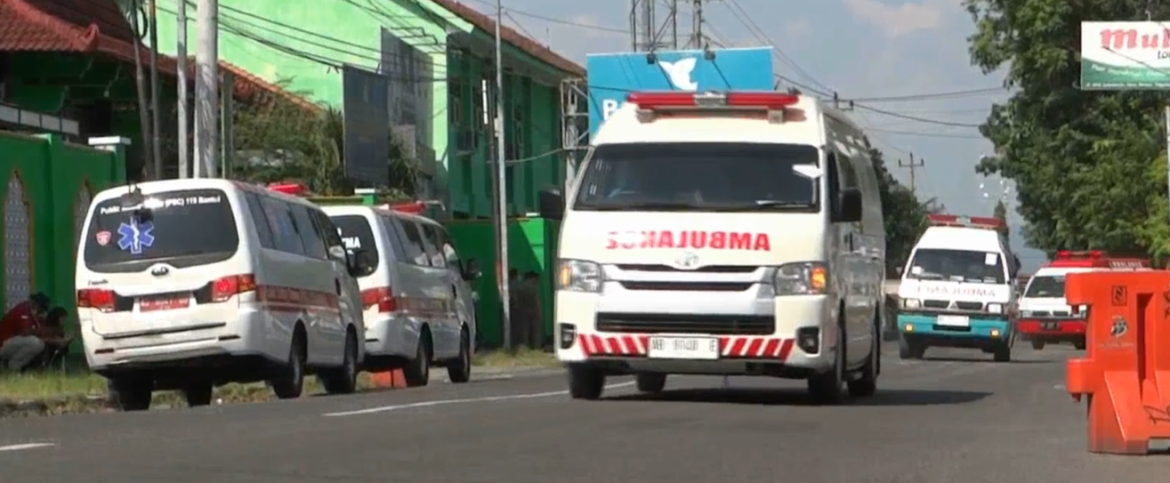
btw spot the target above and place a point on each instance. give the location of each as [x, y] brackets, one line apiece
[459, 370]
[130, 393]
[418, 371]
[343, 379]
[291, 381]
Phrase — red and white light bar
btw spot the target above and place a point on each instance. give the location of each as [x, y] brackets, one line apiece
[295, 189]
[990, 223]
[1096, 259]
[766, 100]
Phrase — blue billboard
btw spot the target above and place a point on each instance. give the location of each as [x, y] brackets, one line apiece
[612, 76]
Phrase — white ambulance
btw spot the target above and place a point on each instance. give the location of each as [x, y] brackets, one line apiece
[721, 233]
[1045, 315]
[957, 289]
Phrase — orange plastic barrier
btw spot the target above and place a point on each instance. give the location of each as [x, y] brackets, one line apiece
[389, 379]
[1125, 374]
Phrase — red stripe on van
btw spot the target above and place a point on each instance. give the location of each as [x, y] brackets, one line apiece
[289, 299]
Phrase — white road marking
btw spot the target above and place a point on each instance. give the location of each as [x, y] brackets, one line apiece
[20, 447]
[444, 402]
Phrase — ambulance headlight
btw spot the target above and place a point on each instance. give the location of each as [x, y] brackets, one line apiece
[579, 276]
[995, 308]
[804, 278]
[911, 303]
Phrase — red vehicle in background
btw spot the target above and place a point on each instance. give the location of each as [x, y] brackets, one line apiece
[1045, 317]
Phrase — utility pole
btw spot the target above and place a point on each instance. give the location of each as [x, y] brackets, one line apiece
[634, 25]
[674, 24]
[648, 25]
[184, 154]
[697, 25]
[913, 171]
[140, 85]
[207, 87]
[155, 120]
[502, 181]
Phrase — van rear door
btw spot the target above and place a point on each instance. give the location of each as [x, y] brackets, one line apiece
[163, 266]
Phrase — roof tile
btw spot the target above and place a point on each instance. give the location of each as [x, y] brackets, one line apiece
[511, 36]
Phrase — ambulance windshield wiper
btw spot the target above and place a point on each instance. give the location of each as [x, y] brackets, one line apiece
[763, 205]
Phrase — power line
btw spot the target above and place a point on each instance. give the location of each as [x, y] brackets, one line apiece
[924, 134]
[913, 118]
[933, 96]
[557, 20]
[755, 30]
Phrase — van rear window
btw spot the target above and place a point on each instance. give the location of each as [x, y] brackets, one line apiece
[357, 234]
[182, 228]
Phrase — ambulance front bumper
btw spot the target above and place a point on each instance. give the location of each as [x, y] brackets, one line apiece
[730, 332]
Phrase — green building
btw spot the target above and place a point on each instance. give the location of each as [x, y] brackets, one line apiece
[439, 56]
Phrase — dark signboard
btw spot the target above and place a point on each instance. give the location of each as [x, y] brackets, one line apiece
[366, 112]
[411, 98]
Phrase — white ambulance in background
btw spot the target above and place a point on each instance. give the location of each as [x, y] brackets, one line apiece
[957, 289]
[1045, 315]
[722, 233]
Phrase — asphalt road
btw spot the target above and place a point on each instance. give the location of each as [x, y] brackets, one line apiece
[956, 418]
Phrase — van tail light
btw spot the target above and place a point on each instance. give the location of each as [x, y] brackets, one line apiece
[230, 286]
[92, 298]
[383, 297]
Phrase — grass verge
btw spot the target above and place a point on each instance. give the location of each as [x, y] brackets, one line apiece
[79, 391]
[522, 357]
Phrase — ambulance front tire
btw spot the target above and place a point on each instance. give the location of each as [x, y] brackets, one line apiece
[650, 382]
[585, 381]
[1038, 344]
[1003, 352]
[909, 349]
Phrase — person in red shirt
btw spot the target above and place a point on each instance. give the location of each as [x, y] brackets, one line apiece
[20, 334]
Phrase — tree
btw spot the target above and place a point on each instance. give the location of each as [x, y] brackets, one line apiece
[904, 215]
[1088, 166]
[286, 138]
[1001, 214]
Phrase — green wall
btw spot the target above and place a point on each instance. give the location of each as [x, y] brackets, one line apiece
[310, 36]
[531, 246]
[53, 174]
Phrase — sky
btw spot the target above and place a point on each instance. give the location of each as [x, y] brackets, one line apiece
[858, 48]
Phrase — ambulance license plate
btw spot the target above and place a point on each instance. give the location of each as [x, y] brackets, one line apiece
[1050, 326]
[165, 302]
[954, 320]
[693, 348]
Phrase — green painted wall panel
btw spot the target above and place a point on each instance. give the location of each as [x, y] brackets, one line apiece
[53, 174]
[531, 246]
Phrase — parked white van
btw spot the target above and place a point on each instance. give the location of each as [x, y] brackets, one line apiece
[415, 290]
[722, 233]
[188, 284]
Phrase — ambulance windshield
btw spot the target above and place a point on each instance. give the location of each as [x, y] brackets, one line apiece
[726, 177]
[1046, 287]
[957, 266]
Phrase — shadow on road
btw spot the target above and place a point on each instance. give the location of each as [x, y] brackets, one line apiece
[788, 397]
[986, 361]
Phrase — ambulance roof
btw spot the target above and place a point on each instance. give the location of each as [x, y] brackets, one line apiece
[960, 238]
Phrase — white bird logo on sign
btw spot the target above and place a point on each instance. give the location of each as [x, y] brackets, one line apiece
[679, 73]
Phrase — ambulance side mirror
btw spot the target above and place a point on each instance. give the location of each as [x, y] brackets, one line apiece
[552, 204]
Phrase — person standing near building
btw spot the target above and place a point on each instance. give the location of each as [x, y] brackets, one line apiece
[534, 309]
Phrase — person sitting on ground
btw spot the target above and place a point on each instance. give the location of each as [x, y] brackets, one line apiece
[20, 341]
[53, 335]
